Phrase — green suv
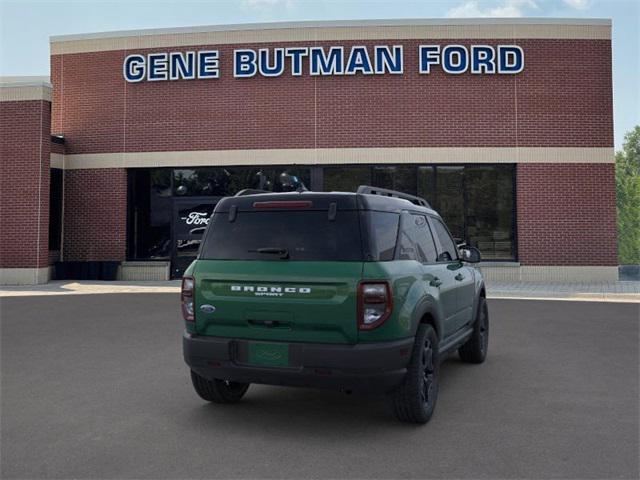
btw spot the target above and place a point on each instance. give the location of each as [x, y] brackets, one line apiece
[361, 291]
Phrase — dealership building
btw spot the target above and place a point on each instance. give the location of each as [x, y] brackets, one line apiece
[504, 125]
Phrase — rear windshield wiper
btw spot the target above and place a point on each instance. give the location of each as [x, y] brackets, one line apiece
[283, 252]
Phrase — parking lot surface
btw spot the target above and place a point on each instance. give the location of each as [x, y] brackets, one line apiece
[94, 386]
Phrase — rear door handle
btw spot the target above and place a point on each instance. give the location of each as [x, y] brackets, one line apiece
[459, 277]
[435, 282]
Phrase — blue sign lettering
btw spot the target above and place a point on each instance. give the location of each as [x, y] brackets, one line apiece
[359, 61]
[386, 61]
[483, 59]
[208, 64]
[296, 55]
[182, 65]
[244, 63]
[455, 59]
[324, 61]
[429, 55]
[158, 67]
[133, 68]
[510, 59]
[275, 68]
[329, 64]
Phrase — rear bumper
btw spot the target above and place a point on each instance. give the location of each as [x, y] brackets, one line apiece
[369, 367]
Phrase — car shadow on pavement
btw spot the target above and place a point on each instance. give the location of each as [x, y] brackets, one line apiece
[293, 410]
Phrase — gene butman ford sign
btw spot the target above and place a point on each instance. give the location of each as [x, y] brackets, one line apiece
[327, 61]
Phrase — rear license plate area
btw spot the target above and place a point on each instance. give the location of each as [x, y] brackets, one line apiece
[268, 354]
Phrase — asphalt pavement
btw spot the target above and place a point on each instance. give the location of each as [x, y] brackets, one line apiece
[94, 386]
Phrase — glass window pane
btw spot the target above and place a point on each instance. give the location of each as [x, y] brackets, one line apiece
[426, 184]
[400, 177]
[489, 213]
[305, 235]
[449, 251]
[424, 238]
[450, 199]
[416, 242]
[384, 232]
[346, 179]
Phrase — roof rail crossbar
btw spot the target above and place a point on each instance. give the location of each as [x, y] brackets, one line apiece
[393, 193]
[250, 191]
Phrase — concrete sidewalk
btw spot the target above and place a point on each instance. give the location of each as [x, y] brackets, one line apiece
[579, 291]
[592, 292]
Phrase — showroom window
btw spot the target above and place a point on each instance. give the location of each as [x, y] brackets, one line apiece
[477, 202]
[158, 199]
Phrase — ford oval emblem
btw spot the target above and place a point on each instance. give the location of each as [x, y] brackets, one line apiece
[207, 308]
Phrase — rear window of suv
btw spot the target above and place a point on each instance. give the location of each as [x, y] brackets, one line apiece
[304, 235]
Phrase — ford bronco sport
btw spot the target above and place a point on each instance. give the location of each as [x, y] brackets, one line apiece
[361, 291]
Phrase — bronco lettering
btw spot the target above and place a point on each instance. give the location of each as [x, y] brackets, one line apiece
[269, 290]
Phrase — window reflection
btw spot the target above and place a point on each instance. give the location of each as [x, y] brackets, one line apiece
[489, 213]
[225, 181]
[346, 178]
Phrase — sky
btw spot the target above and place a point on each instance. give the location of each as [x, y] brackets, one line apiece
[25, 26]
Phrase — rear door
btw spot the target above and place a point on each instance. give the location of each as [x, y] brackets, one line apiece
[417, 243]
[281, 275]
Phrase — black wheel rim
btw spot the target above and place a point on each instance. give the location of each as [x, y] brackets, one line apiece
[483, 329]
[428, 373]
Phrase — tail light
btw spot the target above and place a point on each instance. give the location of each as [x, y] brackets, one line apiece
[375, 303]
[187, 296]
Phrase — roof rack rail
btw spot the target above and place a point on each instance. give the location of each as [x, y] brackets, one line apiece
[393, 193]
[250, 191]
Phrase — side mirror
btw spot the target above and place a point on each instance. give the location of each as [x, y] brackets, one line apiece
[470, 254]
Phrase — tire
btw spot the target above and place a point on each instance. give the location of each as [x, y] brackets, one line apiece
[415, 399]
[218, 391]
[475, 349]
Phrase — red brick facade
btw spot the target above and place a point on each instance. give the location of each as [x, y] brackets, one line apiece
[562, 98]
[95, 214]
[566, 214]
[24, 183]
[57, 148]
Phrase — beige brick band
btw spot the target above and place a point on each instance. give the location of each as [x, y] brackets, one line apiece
[549, 273]
[435, 29]
[336, 156]
[25, 93]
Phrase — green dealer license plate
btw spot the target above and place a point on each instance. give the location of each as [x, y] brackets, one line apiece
[269, 354]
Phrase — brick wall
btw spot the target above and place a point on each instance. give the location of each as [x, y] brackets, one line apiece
[566, 214]
[24, 183]
[57, 148]
[95, 214]
[562, 98]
